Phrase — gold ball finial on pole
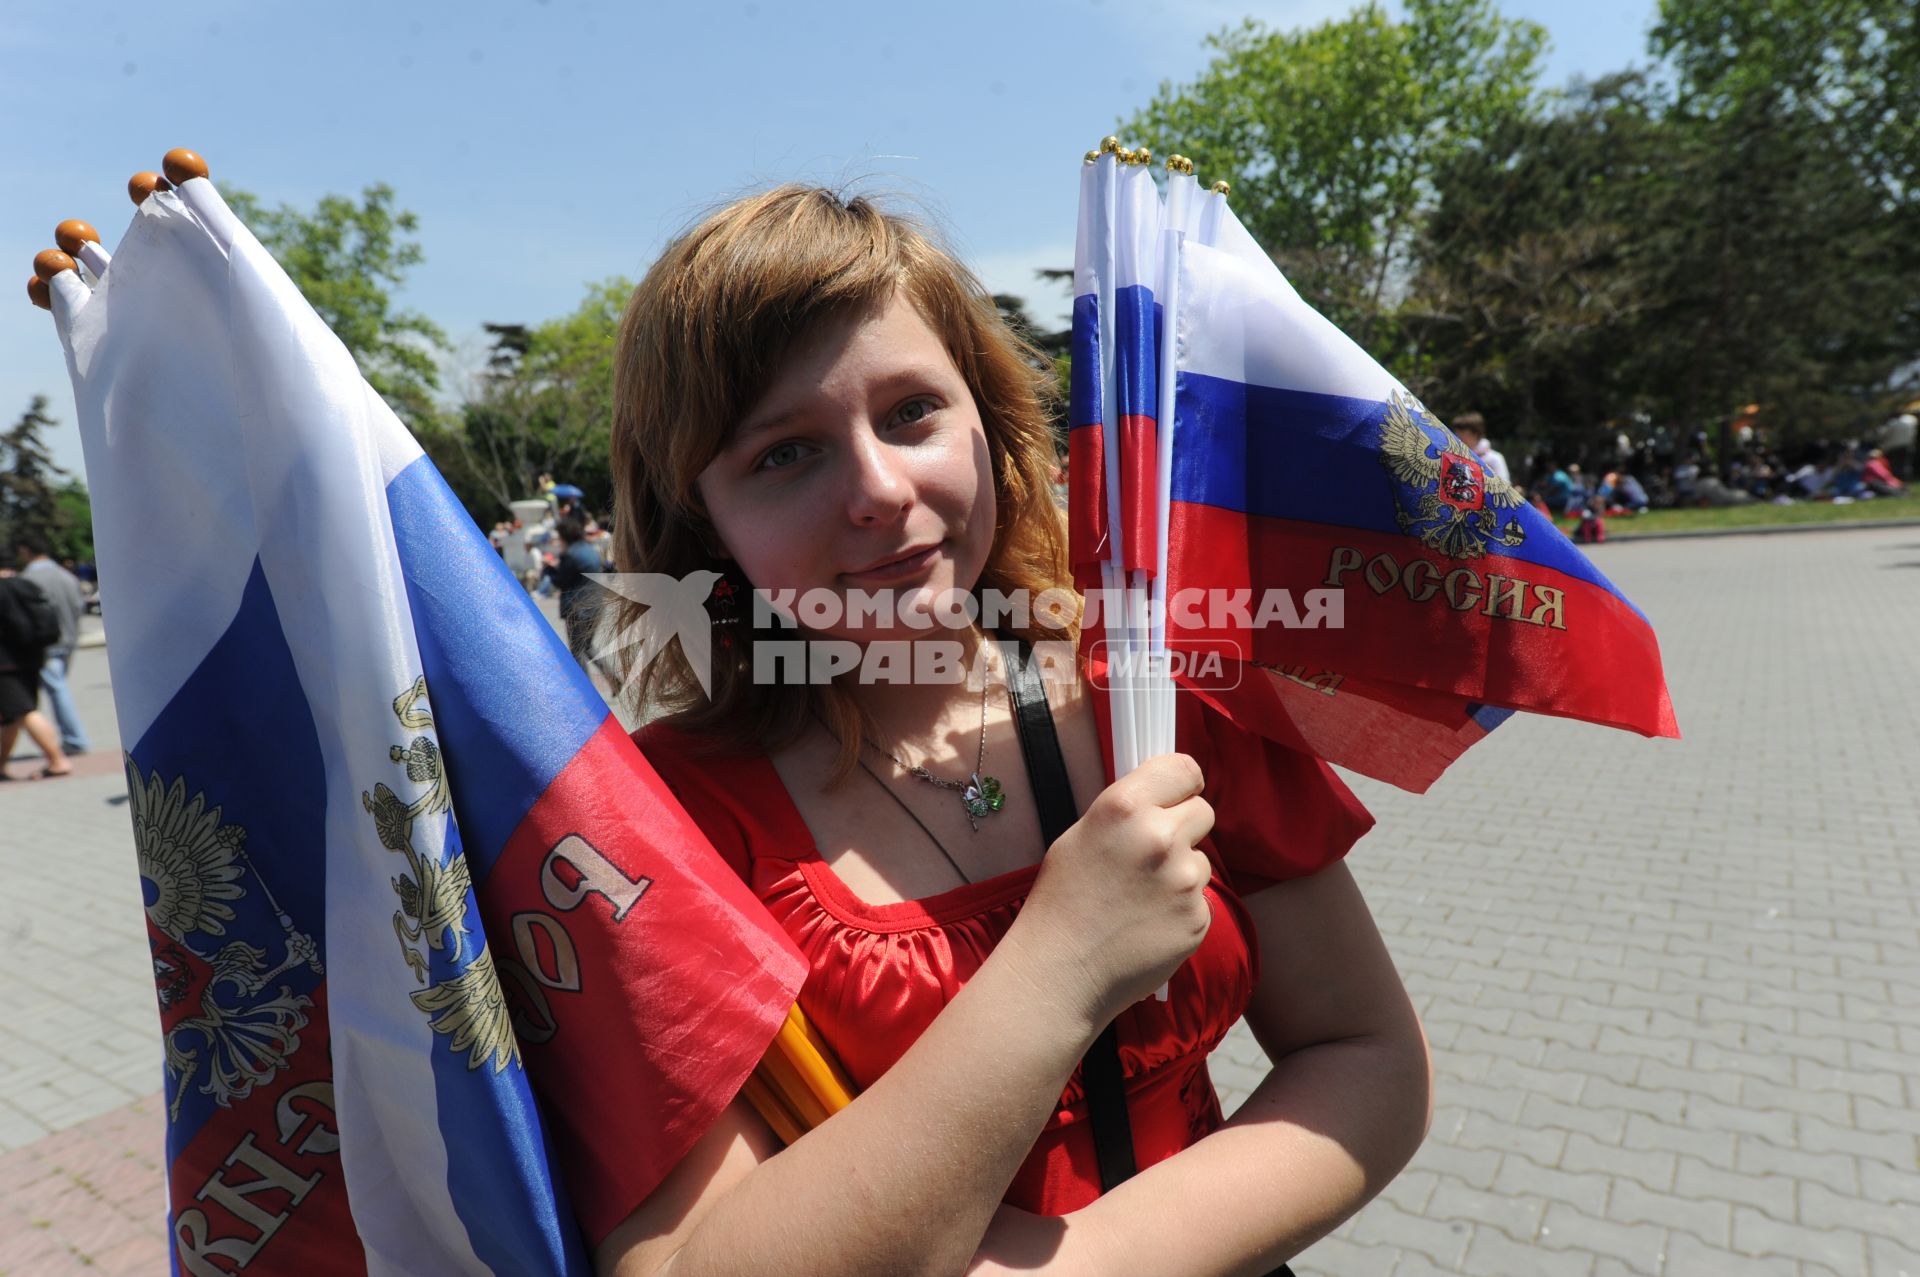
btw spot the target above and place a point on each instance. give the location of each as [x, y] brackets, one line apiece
[1092, 156]
[141, 185]
[38, 293]
[72, 233]
[1109, 144]
[49, 262]
[181, 165]
[1221, 188]
[1143, 156]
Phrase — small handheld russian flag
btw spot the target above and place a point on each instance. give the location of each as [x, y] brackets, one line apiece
[1367, 591]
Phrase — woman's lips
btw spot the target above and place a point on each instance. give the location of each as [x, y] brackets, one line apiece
[897, 568]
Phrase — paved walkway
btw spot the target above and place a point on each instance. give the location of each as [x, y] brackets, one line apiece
[1673, 988]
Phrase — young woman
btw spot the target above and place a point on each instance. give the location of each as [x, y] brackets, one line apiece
[811, 397]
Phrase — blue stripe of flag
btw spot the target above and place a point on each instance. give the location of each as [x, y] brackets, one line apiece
[1314, 458]
[1136, 355]
[500, 1174]
[1084, 406]
[502, 686]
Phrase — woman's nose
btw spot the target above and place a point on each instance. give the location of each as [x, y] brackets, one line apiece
[880, 490]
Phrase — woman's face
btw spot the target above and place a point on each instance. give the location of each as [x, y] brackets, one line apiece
[864, 467]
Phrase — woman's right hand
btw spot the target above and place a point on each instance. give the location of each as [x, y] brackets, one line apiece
[1119, 901]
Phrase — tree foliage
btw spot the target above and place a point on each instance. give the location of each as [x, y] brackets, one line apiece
[348, 258]
[543, 405]
[37, 497]
[1330, 136]
[1738, 223]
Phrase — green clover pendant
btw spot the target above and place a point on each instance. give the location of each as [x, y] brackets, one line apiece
[983, 796]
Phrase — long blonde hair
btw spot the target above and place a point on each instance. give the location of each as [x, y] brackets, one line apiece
[701, 340]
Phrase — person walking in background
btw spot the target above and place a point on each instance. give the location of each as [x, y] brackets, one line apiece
[28, 626]
[568, 573]
[69, 602]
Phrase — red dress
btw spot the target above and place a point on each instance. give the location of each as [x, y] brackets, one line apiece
[879, 974]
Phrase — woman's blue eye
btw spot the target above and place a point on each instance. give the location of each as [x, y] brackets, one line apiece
[914, 412]
[779, 456]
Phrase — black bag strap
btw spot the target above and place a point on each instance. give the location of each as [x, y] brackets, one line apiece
[1053, 798]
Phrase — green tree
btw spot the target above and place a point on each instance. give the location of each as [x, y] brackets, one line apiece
[1792, 223]
[73, 522]
[1532, 280]
[29, 491]
[544, 405]
[348, 259]
[1331, 137]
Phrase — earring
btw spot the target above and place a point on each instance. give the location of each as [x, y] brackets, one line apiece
[723, 606]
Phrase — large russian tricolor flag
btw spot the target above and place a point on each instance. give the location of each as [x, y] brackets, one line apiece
[1301, 464]
[404, 872]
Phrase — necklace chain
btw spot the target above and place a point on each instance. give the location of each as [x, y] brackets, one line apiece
[980, 795]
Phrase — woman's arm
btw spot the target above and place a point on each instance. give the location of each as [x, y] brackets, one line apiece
[1345, 1107]
[897, 1182]
[904, 1180]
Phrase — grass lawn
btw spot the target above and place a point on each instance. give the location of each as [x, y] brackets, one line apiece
[1758, 516]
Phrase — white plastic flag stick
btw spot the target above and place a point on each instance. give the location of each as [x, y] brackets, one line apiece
[1179, 209]
[1126, 755]
[1138, 214]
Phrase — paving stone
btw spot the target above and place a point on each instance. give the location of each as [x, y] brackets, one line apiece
[1821, 1207]
[1640, 1246]
[1762, 1235]
[1897, 1256]
[1663, 1106]
[1872, 1115]
[1895, 1148]
[1705, 1114]
[1441, 1241]
[1494, 1254]
[1710, 1221]
[1411, 1190]
[1476, 1167]
[1600, 1122]
[1655, 1075]
[1646, 1133]
[1339, 1257]
[1882, 1183]
[1484, 1132]
[1838, 1171]
[1771, 1194]
[1518, 1175]
[1564, 1087]
[1652, 1169]
[1761, 1096]
[1688, 1256]
[1517, 1214]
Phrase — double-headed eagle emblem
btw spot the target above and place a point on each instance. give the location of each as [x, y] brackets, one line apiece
[1447, 498]
[435, 898]
[195, 867]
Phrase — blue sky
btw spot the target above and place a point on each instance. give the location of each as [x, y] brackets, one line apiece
[547, 143]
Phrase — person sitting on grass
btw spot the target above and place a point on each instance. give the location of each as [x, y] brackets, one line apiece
[1879, 476]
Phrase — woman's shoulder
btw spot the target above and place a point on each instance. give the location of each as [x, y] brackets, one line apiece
[723, 790]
